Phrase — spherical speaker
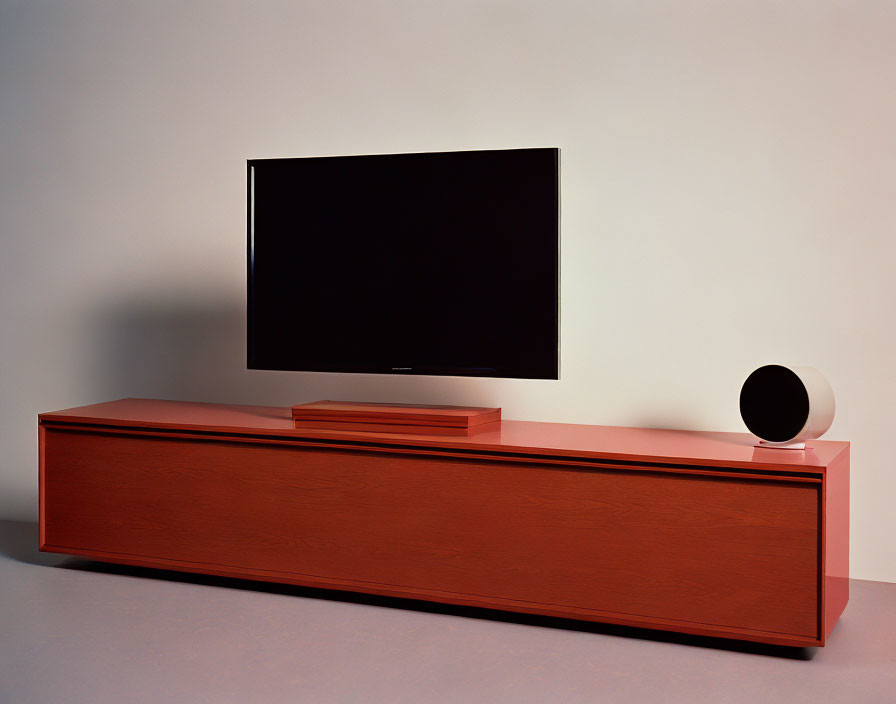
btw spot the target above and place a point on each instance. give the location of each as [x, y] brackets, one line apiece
[785, 406]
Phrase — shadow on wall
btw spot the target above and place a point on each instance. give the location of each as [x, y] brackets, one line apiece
[197, 352]
[169, 351]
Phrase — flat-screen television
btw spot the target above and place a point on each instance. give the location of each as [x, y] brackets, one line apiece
[440, 263]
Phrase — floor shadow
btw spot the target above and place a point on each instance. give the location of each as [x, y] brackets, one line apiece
[19, 540]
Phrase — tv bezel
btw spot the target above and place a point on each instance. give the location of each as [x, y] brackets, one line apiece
[415, 371]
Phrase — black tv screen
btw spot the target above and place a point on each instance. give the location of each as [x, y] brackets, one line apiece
[435, 263]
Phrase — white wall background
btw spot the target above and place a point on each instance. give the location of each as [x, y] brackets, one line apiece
[727, 193]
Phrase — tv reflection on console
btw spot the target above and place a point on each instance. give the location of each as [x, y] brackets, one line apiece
[441, 263]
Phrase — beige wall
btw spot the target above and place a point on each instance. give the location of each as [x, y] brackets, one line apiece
[727, 189]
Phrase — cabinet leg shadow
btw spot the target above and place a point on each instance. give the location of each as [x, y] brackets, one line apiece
[19, 541]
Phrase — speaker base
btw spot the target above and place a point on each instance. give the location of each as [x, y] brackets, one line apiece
[781, 445]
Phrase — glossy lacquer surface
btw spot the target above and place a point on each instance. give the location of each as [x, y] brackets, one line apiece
[543, 518]
[704, 448]
[394, 417]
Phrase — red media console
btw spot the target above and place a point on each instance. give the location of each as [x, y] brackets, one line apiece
[683, 531]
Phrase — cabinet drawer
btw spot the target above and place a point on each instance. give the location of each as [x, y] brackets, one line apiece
[710, 550]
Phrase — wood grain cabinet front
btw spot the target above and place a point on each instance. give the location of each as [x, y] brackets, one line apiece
[707, 550]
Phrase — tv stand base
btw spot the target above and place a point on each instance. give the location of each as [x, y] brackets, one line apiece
[395, 417]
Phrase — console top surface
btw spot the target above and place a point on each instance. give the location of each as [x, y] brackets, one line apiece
[510, 436]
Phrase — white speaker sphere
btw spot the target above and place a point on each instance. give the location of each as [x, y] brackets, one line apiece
[786, 406]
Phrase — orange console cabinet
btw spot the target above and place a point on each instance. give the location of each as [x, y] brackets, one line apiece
[699, 533]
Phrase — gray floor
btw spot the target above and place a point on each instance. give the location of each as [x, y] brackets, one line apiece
[73, 631]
